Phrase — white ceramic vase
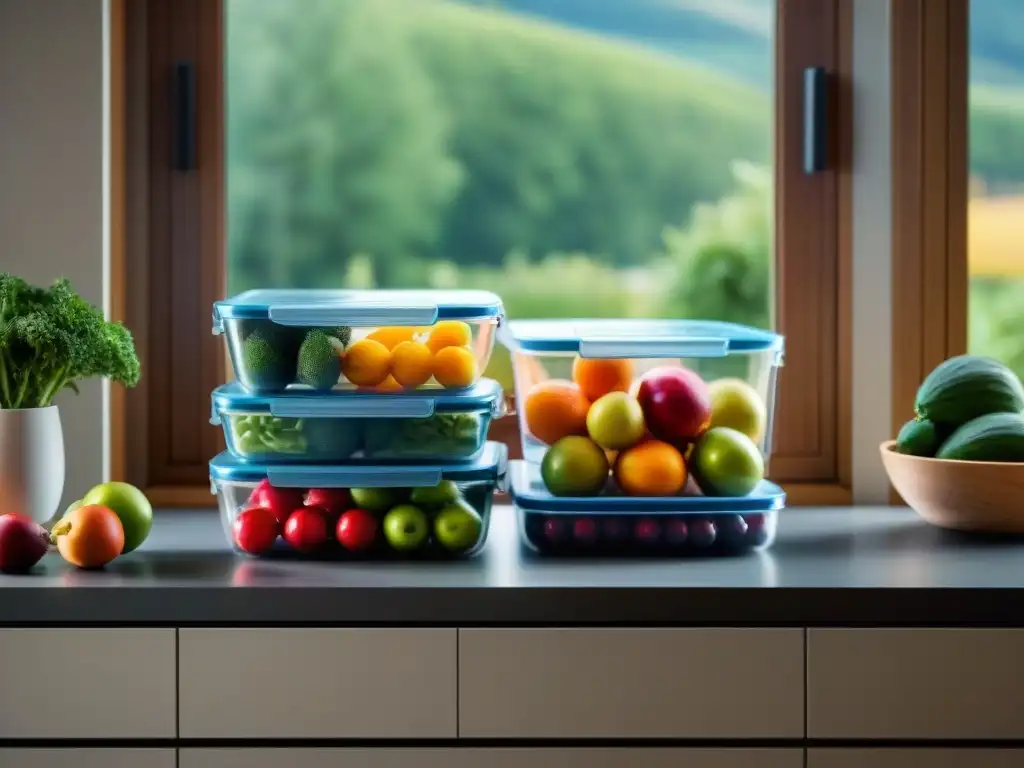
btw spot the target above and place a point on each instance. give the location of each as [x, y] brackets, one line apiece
[31, 462]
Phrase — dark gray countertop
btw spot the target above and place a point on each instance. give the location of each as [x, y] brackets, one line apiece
[844, 567]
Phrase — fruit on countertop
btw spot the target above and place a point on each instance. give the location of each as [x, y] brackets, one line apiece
[280, 501]
[319, 364]
[255, 530]
[456, 367]
[615, 421]
[919, 437]
[992, 437]
[555, 409]
[736, 404]
[575, 466]
[130, 505]
[458, 527]
[676, 403]
[967, 386]
[411, 364]
[305, 530]
[406, 527]
[366, 363]
[23, 542]
[378, 499]
[90, 536]
[449, 333]
[652, 468]
[357, 530]
[726, 463]
[598, 377]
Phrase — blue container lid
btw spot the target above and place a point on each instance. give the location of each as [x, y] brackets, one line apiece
[485, 395]
[637, 338]
[490, 466]
[529, 494]
[360, 308]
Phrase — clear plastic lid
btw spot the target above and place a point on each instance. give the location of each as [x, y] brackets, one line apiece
[635, 338]
[529, 494]
[359, 308]
[489, 466]
[485, 395]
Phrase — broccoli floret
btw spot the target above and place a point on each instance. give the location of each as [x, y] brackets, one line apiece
[342, 333]
[52, 338]
[319, 361]
[266, 364]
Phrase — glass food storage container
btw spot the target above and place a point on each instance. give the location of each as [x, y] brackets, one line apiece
[339, 426]
[375, 341]
[657, 405]
[358, 511]
[623, 525]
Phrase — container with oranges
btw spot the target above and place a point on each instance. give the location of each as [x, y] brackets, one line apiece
[627, 418]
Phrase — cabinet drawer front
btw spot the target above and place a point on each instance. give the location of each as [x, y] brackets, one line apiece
[915, 758]
[87, 683]
[915, 683]
[317, 683]
[87, 758]
[631, 683]
[491, 758]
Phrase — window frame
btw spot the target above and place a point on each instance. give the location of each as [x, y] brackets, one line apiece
[168, 263]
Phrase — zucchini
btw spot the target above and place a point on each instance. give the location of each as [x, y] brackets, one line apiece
[992, 437]
[966, 387]
[919, 438]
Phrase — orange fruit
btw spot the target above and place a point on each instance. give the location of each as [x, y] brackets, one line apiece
[89, 536]
[455, 367]
[366, 363]
[412, 364]
[391, 337]
[388, 385]
[597, 378]
[652, 468]
[449, 333]
[555, 409]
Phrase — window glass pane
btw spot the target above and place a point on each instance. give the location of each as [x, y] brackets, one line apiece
[996, 213]
[579, 157]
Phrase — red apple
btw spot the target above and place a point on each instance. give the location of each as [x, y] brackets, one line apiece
[305, 530]
[280, 501]
[333, 501]
[255, 530]
[357, 530]
[676, 403]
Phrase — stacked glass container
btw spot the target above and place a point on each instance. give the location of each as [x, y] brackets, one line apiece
[357, 424]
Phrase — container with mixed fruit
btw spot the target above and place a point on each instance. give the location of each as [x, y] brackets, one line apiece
[661, 416]
[374, 341]
[357, 511]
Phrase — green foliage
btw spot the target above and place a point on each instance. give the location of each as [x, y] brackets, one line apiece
[51, 339]
[997, 135]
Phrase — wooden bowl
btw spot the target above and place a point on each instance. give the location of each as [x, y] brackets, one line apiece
[960, 495]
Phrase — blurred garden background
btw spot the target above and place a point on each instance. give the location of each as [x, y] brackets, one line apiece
[578, 157]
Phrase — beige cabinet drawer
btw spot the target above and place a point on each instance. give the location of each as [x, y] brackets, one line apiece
[317, 683]
[491, 758]
[915, 683]
[631, 683]
[87, 683]
[915, 758]
[87, 758]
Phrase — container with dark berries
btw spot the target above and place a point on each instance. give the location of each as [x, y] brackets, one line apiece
[360, 509]
[617, 524]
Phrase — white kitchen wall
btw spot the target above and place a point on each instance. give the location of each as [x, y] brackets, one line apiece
[52, 209]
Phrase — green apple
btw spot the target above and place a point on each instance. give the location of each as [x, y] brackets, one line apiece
[406, 527]
[130, 505]
[377, 499]
[458, 527]
[435, 497]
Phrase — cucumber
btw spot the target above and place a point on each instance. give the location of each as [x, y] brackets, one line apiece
[966, 387]
[992, 437]
[919, 438]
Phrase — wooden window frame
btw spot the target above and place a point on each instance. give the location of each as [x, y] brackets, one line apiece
[169, 264]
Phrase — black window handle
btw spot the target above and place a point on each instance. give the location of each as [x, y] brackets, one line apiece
[184, 115]
[815, 120]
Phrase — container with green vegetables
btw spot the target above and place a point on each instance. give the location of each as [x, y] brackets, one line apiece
[339, 426]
